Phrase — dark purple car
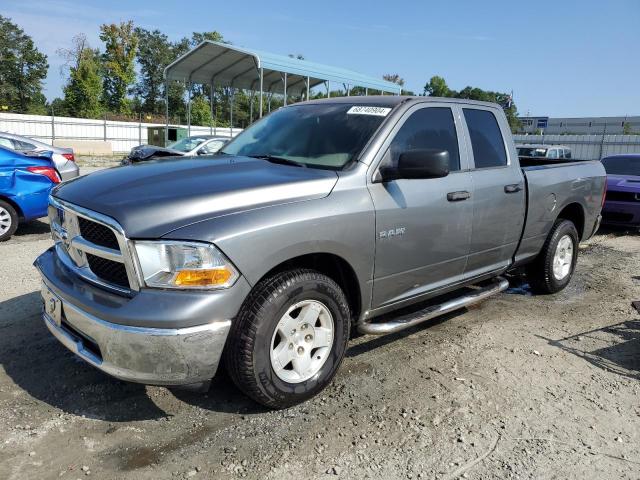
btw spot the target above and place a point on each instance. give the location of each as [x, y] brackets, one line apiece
[622, 205]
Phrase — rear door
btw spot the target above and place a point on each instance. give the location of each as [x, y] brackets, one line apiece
[498, 192]
[422, 237]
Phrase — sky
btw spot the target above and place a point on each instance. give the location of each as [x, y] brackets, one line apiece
[561, 58]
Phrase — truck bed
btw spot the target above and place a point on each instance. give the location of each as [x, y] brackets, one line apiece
[551, 187]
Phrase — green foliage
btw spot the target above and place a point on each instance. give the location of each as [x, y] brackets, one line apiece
[626, 128]
[437, 87]
[58, 108]
[199, 37]
[22, 70]
[154, 53]
[121, 44]
[201, 112]
[83, 92]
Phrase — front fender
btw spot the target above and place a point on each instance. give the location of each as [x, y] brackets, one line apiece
[259, 240]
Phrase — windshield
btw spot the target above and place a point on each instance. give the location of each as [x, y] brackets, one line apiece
[319, 135]
[187, 144]
[622, 165]
[531, 152]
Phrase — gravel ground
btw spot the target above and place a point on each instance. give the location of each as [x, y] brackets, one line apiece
[520, 386]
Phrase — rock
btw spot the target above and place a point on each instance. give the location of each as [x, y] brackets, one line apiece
[619, 439]
[32, 454]
[536, 352]
[85, 468]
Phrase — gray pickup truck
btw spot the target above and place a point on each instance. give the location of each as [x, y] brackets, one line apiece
[323, 217]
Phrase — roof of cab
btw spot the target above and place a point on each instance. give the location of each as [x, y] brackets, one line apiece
[393, 100]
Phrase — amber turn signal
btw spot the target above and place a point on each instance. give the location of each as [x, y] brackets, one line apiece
[203, 278]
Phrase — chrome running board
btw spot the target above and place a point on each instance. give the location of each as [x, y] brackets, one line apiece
[497, 285]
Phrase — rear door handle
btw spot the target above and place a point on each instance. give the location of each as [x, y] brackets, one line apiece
[458, 196]
[513, 188]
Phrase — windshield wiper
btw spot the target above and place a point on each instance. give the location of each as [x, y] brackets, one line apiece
[280, 160]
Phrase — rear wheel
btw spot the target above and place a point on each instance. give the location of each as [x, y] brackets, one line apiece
[552, 270]
[289, 338]
[8, 221]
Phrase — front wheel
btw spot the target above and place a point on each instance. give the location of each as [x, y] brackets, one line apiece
[289, 338]
[552, 270]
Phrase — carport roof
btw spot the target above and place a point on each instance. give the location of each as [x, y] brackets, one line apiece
[229, 65]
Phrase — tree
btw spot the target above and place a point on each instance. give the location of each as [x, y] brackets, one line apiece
[83, 91]
[198, 37]
[22, 70]
[72, 55]
[82, 95]
[154, 53]
[58, 107]
[626, 128]
[200, 111]
[121, 43]
[437, 87]
[393, 78]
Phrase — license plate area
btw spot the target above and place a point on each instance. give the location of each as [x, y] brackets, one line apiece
[52, 305]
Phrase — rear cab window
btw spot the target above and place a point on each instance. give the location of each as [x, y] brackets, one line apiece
[486, 138]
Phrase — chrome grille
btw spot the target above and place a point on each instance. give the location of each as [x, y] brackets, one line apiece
[93, 245]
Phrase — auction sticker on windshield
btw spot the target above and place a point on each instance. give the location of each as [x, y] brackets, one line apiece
[365, 110]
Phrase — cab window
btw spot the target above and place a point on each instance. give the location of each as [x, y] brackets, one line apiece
[486, 138]
[427, 128]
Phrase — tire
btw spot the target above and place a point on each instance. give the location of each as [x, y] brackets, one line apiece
[257, 332]
[8, 221]
[540, 273]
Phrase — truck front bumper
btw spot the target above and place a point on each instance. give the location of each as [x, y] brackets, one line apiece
[152, 355]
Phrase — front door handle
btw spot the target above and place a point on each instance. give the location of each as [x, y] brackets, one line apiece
[458, 196]
[513, 188]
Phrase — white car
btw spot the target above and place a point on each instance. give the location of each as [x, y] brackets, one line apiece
[558, 152]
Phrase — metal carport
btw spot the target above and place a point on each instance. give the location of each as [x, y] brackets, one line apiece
[214, 63]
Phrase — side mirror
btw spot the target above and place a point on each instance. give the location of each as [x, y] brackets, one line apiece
[202, 151]
[419, 164]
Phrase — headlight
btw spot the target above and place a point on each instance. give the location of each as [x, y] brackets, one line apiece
[174, 264]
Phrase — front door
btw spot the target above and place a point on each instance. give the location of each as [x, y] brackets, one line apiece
[422, 231]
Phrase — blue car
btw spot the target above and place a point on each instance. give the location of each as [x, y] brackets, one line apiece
[25, 183]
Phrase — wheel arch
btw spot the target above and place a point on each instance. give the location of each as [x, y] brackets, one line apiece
[15, 206]
[575, 213]
[331, 265]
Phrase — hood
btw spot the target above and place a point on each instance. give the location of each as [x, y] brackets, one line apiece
[143, 152]
[153, 198]
[623, 183]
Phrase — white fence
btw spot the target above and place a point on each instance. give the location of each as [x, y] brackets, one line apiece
[122, 135]
[587, 147]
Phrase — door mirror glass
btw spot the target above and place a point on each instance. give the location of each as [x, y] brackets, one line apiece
[421, 163]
